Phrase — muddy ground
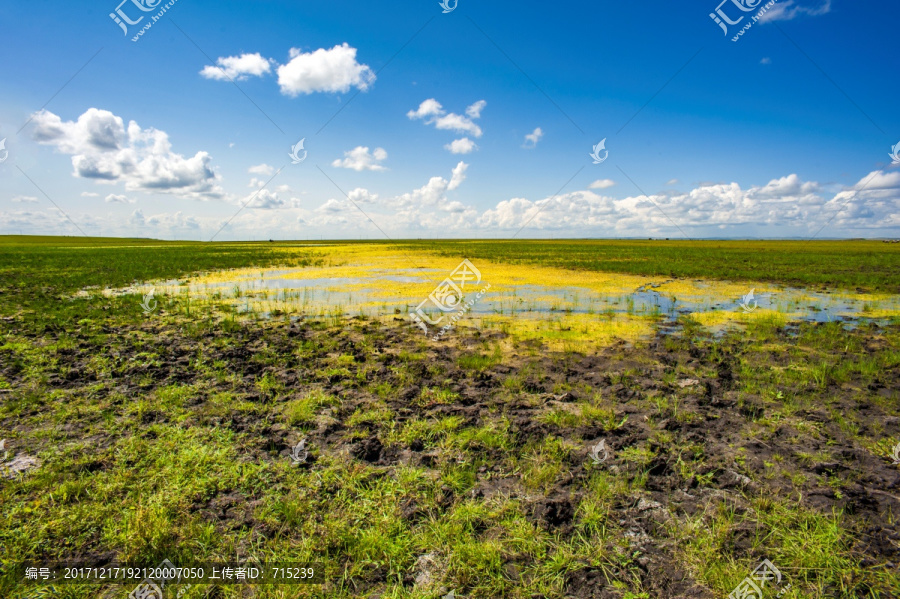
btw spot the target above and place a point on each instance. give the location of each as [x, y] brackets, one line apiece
[713, 448]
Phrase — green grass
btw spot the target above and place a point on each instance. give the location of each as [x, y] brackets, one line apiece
[167, 437]
[871, 265]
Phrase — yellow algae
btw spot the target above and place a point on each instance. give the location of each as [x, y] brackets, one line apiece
[718, 318]
[576, 332]
[563, 308]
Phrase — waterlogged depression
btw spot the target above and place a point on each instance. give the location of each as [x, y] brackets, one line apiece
[553, 304]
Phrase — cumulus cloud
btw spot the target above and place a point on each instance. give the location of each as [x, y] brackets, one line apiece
[430, 107]
[359, 159]
[784, 205]
[332, 206]
[177, 220]
[105, 150]
[474, 111]
[163, 221]
[235, 68]
[334, 70]
[461, 146]
[602, 184]
[261, 169]
[432, 193]
[433, 113]
[459, 175]
[362, 196]
[790, 9]
[533, 138]
[264, 200]
[118, 199]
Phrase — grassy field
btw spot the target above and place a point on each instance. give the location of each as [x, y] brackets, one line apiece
[869, 265]
[460, 466]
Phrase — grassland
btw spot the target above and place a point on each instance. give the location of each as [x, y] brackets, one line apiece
[461, 465]
[867, 265]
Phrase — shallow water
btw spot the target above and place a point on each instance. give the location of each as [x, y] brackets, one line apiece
[531, 301]
[353, 294]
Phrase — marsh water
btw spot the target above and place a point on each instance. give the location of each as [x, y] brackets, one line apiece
[384, 291]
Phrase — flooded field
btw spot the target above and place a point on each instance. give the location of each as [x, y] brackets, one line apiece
[558, 305]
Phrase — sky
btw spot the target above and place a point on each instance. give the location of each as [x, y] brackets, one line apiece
[182, 119]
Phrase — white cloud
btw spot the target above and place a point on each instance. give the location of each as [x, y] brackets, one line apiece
[104, 150]
[789, 186]
[789, 10]
[334, 70]
[362, 196]
[430, 107]
[533, 138]
[359, 159]
[474, 111]
[461, 146]
[457, 123]
[235, 68]
[24, 200]
[431, 194]
[433, 113]
[672, 182]
[787, 205]
[766, 60]
[261, 169]
[89, 194]
[173, 221]
[602, 184]
[119, 199]
[459, 175]
[263, 200]
[332, 206]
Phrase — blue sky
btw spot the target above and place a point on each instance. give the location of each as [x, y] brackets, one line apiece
[786, 132]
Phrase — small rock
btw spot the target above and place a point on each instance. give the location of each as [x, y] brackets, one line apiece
[20, 464]
[644, 505]
[426, 569]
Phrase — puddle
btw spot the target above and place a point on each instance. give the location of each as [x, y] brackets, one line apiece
[376, 282]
